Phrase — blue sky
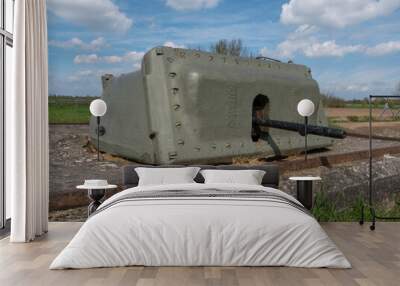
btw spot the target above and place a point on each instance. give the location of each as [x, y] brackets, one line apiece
[351, 46]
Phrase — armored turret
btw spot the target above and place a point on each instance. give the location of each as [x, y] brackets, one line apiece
[186, 106]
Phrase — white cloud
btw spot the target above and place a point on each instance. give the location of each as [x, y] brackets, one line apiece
[329, 49]
[312, 48]
[384, 48]
[86, 59]
[80, 75]
[358, 81]
[86, 73]
[92, 77]
[265, 52]
[94, 45]
[357, 87]
[97, 43]
[350, 88]
[132, 56]
[112, 59]
[99, 15]
[182, 5]
[173, 45]
[335, 13]
[303, 41]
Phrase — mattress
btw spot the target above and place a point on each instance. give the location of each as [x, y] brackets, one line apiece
[201, 225]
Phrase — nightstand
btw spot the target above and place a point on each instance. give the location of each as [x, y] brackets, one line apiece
[96, 191]
[304, 190]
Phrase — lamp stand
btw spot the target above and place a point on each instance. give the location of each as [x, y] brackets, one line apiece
[305, 137]
[98, 138]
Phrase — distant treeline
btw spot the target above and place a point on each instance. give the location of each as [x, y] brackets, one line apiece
[67, 99]
[330, 100]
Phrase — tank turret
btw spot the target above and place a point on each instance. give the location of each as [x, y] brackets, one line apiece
[186, 106]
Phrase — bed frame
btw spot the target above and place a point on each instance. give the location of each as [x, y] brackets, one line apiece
[130, 178]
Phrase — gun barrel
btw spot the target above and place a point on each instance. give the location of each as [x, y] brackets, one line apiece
[298, 127]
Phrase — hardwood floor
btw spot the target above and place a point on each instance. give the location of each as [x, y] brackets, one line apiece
[375, 257]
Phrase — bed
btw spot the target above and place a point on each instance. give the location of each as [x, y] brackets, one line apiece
[201, 224]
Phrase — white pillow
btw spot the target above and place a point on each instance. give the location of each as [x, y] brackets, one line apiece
[164, 176]
[248, 177]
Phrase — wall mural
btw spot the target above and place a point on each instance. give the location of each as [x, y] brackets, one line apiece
[218, 82]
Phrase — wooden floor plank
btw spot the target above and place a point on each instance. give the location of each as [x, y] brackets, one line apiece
[375, 257]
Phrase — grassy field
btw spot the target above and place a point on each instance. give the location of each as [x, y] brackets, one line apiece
[69, 109]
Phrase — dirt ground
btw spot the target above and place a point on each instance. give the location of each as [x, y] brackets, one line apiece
[344, 112]
[378, 128]
[72, 160]
[75, 214]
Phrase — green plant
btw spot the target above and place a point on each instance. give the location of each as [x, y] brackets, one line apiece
[325, 210]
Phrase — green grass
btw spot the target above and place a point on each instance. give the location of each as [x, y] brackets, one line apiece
[69, 114]
[325, 210]
[334, 122]
[355, 118]
[69, 109]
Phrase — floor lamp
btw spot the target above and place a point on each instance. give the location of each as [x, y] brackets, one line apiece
[98, 108]
[370, 179]
[305, 108]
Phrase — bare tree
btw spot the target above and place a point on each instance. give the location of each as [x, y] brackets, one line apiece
[220, 47]
[230, 48]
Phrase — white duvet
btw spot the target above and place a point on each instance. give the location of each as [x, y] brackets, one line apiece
[200, 231]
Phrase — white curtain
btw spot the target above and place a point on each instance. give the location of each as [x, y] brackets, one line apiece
[27, 160]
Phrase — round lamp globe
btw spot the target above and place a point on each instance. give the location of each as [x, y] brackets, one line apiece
[98, 107]
[305, 107]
